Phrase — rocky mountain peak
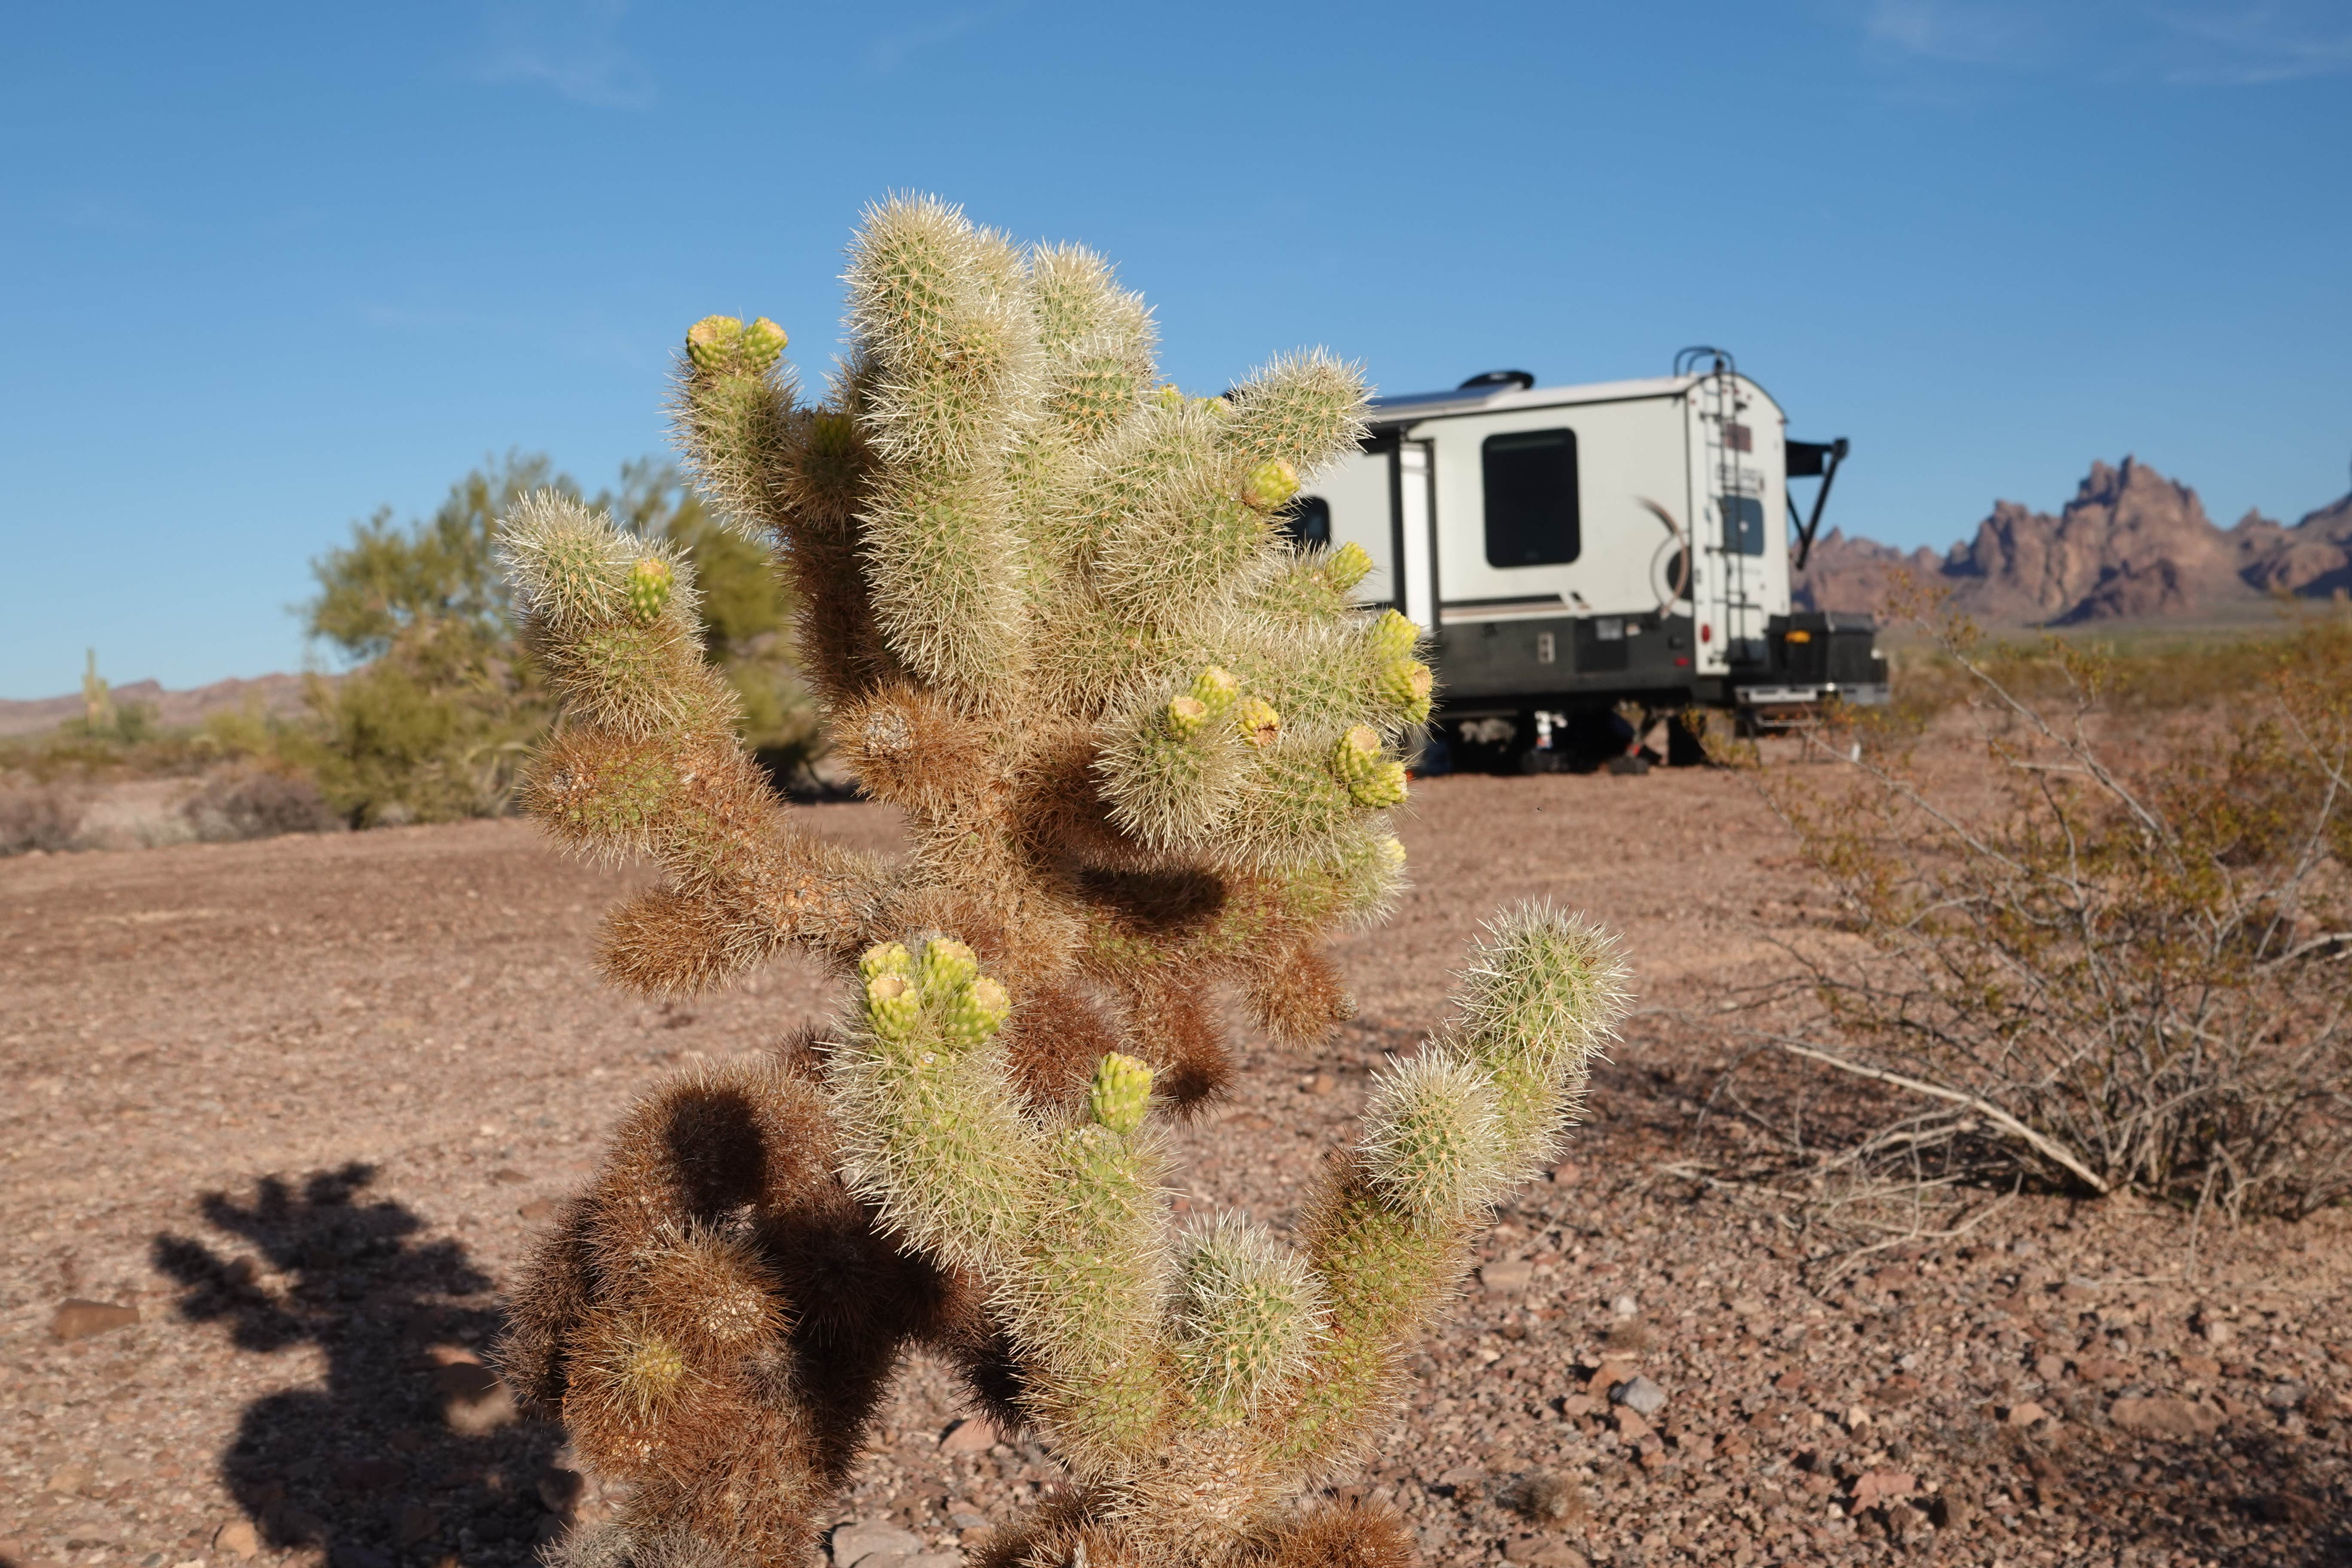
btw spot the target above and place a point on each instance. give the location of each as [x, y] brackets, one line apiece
[2131, 544]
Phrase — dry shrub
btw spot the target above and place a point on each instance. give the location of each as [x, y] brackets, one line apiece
[2094, 953]
[39, 813]
[256, 801]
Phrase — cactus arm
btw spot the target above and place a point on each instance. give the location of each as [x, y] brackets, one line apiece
[943, 309]
[1445, 1134]
[646, 764]
[1065, 1220]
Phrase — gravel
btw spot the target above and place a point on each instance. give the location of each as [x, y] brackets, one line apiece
[301, 1104]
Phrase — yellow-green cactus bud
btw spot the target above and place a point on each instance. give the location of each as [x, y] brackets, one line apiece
[651, 1373]
[650, 581]
[1269, 486]
[1169, 396]
[1214, 690]
[885, 958]
[1215, 407]
[1347, 566]
[1119, 1093]
[1406, 684]
[1383, 786]
[1357, 752]
[1372, 779]
[763, 343]
[892, 1005]
[948, 967]
[710, 339]
[1260, 725]
[1392, 852]
[1392, 636]
[976, 1013]
[1187, 716]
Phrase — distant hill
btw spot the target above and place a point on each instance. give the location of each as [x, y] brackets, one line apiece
[276, 694]
[2131, 545]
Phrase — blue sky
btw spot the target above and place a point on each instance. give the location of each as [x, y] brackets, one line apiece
[267, 268]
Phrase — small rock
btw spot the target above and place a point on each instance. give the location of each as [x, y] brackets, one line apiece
[1900, 1389]
[67, 1480]
[1749, 1307]
[1321, 1083]
[473, 1400]
[1902, 1519]
[237, 1538]
[2049, 1368]
[1949, 1510]
[1545, 1499]
[933, 1560]
[2103, 1369]
[538, 1209]
[368, 1475]
[1874, 1487]
[2203, 1368]
[2284, 1397]
[1625, 1307]
[972, 1435]
[559, 1489]
[965, 1519]
[2217, 1330]
[294, 1526]
[1507, 1276]
[79, 1319]
[2293, 1509]
[507, 1176]
[1610, 1373]
[853, 1543]
[2165, 1417]
[413, 1524]
[1631, 1426]
[2025, 1414]
[1641, 1394]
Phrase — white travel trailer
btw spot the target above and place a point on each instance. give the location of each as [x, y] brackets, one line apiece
[1577, 552]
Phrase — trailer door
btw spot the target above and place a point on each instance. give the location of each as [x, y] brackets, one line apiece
[1416, 523]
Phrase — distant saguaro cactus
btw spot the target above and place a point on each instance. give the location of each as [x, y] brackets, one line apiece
[1144, 747]
[97, 698]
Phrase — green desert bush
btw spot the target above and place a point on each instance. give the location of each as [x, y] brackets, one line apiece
[1146, 751]
[442, 703]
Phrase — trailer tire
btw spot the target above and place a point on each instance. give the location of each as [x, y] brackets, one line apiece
[1684, 748]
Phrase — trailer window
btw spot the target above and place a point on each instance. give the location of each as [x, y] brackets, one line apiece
[1743, 525]
[1307, 522]
[1531, 508]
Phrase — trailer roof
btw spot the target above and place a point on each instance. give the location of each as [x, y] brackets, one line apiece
[1404, 409]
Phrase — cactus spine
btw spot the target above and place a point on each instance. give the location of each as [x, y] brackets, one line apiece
[1144, 747]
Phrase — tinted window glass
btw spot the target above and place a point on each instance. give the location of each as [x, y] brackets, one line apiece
[1743, 525]
[1307, 522]
[1532, 511]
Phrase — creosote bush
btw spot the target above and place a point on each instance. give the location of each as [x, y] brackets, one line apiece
[2099, 955]
[1145, 749]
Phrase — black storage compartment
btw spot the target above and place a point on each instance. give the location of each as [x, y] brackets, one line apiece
[1826, 648]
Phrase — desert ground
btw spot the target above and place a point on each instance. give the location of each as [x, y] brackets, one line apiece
[284, 1117]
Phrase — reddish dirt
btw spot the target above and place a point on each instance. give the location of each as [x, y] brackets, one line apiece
[303, 1104]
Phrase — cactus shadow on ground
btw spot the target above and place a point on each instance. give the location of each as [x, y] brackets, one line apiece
[370, 1464]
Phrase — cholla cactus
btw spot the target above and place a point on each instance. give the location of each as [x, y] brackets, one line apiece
[1144, 747]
